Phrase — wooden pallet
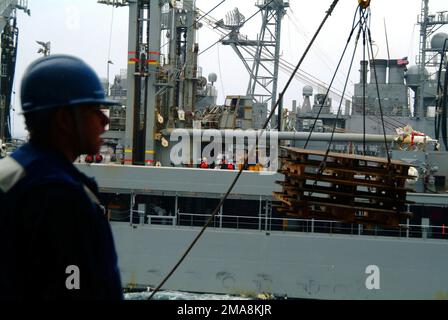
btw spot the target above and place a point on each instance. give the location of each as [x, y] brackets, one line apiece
[349, 188]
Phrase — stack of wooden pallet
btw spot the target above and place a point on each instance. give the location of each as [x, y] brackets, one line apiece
[345, 187]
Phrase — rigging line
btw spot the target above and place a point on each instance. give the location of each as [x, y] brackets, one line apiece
[302, 76]
[332, 80]
[444, 110]
[214, 213]
[244, 22]
[324, 161]
[210, 11]
[435, 29]
[369, 34]
[313, 80]
[431, 58]
[205, 14]
[307, 77]
[363, 28]
[285, 65]
[319, 52]
[439, 91]
[395, 121]
[391, 125]
[363, 86]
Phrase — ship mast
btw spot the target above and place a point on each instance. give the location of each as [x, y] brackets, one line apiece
[428, 25]
[419, 112]
[162, 79]
[8, 48]
[262, 76]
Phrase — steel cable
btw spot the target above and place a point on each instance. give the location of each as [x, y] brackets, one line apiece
[327, 15]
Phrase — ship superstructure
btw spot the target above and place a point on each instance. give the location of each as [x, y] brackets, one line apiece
[8, 50]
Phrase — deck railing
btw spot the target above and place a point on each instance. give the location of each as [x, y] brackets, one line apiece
[267, 225]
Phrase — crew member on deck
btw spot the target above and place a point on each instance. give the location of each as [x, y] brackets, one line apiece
[55, 240]
[204, 164]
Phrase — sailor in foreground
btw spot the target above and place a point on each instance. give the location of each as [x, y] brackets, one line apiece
[55, 240]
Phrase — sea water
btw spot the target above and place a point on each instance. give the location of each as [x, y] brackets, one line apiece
[176, 295]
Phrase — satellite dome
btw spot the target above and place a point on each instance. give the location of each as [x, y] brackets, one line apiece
[307, 91]
[438, 40]
[212, 77]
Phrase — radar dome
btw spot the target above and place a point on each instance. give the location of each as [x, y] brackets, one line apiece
[212, 77]
[307, 91]
[438, 40]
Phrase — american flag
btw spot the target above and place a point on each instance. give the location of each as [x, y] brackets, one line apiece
[403, 61]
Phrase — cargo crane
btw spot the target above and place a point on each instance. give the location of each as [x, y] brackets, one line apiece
[9, 41]
[263, 74]
[162, 80]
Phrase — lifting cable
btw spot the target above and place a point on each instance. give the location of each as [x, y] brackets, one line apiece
[208, 12]
[354, 26]
[364, 27]
[246, 158]
[364, 83]
[395, 122]
[440, 91]
[378, 95]
[444, 110]
[345, 87]
[318, 51]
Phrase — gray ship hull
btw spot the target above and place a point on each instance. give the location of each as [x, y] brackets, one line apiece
[308, 265]
[292, 264]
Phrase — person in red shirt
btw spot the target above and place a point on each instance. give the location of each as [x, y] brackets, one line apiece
[204, 164]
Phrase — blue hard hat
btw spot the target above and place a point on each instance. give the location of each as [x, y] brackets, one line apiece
[61, 80]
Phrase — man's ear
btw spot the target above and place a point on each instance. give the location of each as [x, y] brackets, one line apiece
[63, 121]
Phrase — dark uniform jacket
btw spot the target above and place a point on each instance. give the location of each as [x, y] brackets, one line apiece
[53, 232]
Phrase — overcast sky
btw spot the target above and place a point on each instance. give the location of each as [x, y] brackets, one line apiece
[97, 33]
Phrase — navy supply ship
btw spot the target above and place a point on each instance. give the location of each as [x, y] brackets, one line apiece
[158, 205]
